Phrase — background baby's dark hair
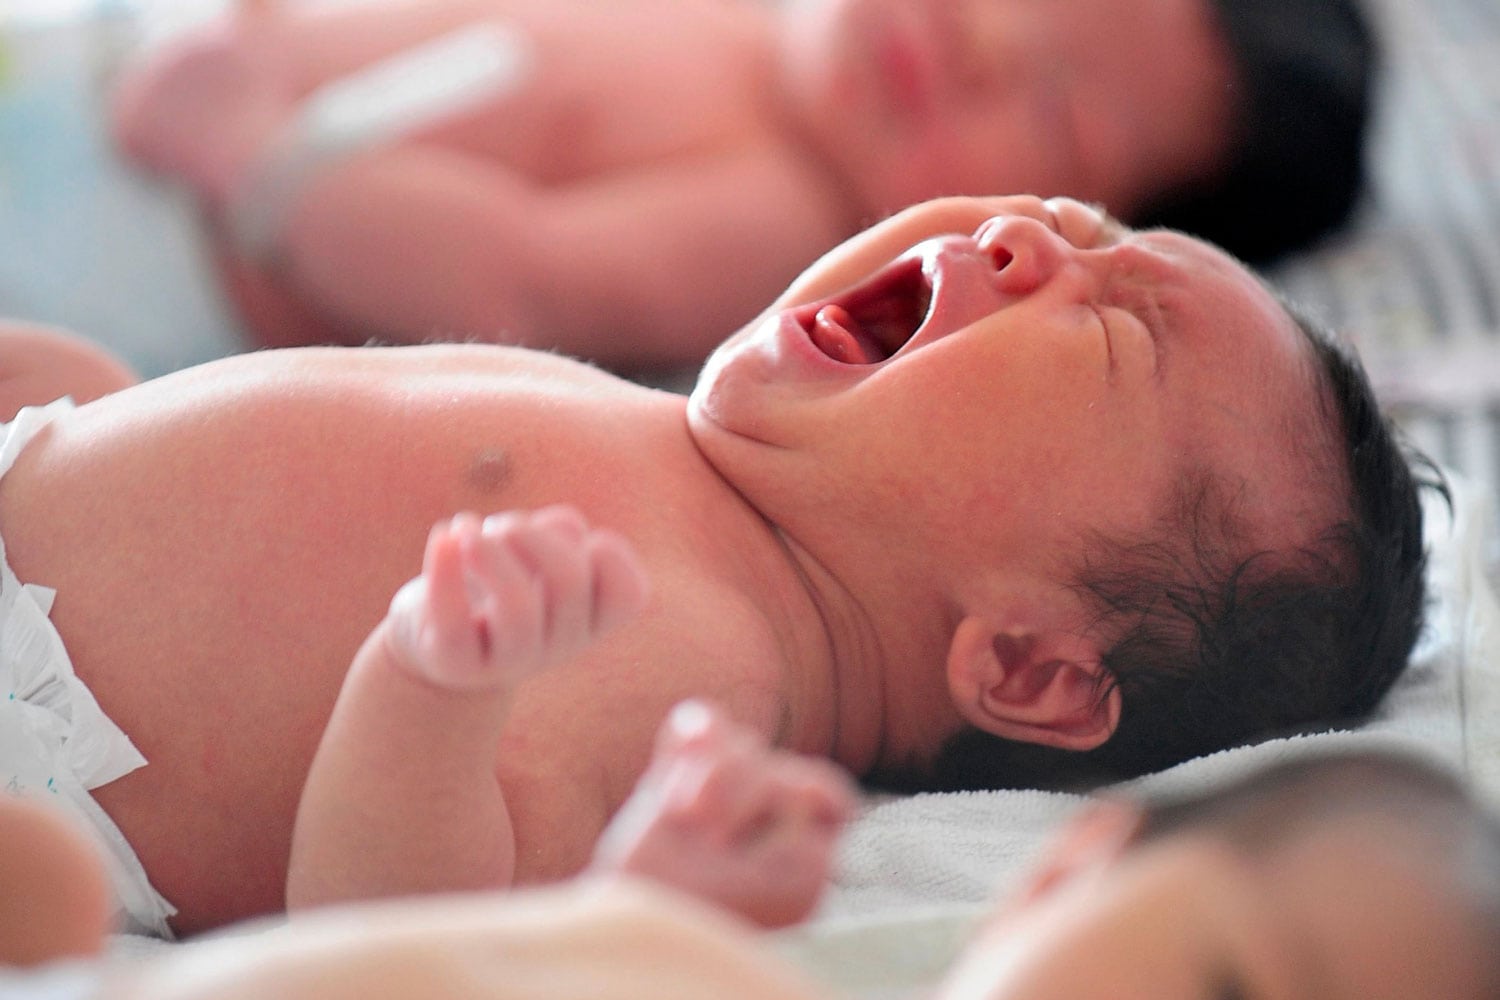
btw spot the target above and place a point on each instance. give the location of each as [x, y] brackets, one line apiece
[1306, 70]
[1272, 805]
[1444, 822]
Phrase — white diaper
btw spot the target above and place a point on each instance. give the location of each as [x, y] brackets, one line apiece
[56, 743]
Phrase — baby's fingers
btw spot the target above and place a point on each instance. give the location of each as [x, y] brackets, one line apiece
[442, 588]
[505, 595]
[591, 578]
[552, 543]
[430, 619]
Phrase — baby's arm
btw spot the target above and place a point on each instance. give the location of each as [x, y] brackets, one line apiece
[722, 816]
[402, 796]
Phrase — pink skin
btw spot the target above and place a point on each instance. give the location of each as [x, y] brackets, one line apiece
[722, 816]
[402, 796]
[506, 597]
[718, 813]
[39, 364]
[592, 219]
[56, 903]
[203, 112]
[1105, 100]
[955, 88]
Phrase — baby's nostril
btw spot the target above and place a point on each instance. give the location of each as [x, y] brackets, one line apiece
[1000, 257]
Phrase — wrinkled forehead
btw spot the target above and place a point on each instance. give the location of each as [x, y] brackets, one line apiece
[1268, 421]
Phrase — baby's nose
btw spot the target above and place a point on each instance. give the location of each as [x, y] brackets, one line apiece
[1025, 252]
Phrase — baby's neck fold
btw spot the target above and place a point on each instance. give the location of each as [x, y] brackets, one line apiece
[834, 662]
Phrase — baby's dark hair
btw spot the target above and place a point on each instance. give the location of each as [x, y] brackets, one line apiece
[1296, 167]
[1258, 812]
[1212, 648]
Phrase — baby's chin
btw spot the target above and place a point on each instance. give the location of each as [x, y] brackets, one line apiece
[718, 368]
[716, 407]
[699, 397]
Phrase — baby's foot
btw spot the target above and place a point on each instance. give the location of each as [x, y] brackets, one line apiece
[505, 597]
[721, 815]
[202, 109]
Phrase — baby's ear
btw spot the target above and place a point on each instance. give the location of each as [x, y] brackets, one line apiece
[1032, 684]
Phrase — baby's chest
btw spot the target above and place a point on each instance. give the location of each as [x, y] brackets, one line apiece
[581, 735]
[594, 103]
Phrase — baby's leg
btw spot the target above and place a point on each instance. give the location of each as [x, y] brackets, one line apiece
[402, 796]
[39, 364]
[724, 817]
[55, 902]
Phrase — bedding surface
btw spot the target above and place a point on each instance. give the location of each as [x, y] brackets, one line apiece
[1415, 281]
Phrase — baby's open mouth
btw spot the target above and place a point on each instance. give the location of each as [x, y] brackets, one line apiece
[869, 323]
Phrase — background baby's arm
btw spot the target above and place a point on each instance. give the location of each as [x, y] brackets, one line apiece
[402, 796]
[639, 268]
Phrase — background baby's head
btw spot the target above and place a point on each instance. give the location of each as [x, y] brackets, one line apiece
[1305, 76]
[1384, 865]
[1242, 121]
[1354, 876]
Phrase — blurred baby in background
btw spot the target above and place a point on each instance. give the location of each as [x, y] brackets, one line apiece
[630, 182]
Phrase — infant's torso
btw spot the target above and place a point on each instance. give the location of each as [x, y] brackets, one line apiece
[222, 540]
[685, 77]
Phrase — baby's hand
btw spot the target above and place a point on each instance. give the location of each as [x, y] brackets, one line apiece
[721, 815]
[504, 597]
[203, 108]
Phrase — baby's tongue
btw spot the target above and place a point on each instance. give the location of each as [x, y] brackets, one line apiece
[837, 335]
